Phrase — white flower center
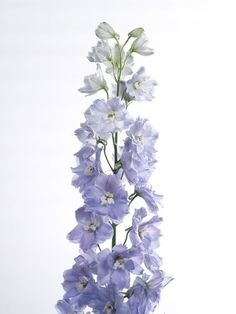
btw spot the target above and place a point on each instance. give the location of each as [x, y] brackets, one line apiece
[90, 170]
[108, 309]
[82, 283]
[111, 116]
[107, 199]
[137, 85]
[142, 232]
[119, 263]
[138, 139]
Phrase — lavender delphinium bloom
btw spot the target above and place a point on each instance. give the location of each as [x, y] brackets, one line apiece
[91, 229]
[85, 134]
[64, 307]
[145, 234]
[107, 117]
[137, 167]
[145, 294]
[87, 170]
[140, 87]
[152, 199]
[107, 197]
[143, 137]
[108, 300]
[78, 283]
[116, 266]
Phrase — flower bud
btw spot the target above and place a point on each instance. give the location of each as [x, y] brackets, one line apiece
[136, 32]
[105, 31]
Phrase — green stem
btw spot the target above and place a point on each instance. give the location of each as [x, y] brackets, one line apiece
[105, 154]
[99, 247]
[126, 237]
[114, 235]
[136, 195]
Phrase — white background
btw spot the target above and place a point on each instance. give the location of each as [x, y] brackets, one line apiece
[43, 50]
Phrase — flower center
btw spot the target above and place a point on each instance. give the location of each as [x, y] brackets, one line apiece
[109, 309]
[90, 170]
[137, 85]
[92, 226]
[142, 232]
[138, 139]
[111, 116]
[119, 263]
[107, 199]
[82, 283]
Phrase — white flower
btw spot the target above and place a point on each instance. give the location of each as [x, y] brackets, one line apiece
[140, 87]
[94, 83]
[105, 31]
[140, 46]
[100, 53]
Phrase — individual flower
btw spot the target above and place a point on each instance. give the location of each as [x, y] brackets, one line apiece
[90, 230]
[137, 167]
[143, 136]
[101, 53]
[107, 197]
[136, 32]
[87, 170]
[115, 267]
[152, 261]
[105, 31]
[86, 152]
[78, 283]
[107, 117]
[144, 234]
[94, 83]
[108, 300]
[140, 46]
[64, 307]
[145, 294]
[85, 134]
[152, 199]
[140, 87]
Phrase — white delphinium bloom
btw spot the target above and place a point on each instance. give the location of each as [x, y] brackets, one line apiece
[140, 46]
[94, 83]
[105, 31]
[140, 87]
[100, 53]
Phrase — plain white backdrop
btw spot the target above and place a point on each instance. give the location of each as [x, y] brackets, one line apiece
[43, 52]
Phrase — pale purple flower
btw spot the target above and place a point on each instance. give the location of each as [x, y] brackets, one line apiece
[108, 300]
[85, 134]
[137, 167]
[105, 31]
[143, 136]
[152, 261]
[140, 87]
[94, 83]
[87, 171]
[115, 267]
[86, 152]
[140, 46]
[64, 307]
[78, 283]
[107, 197]
[145, 234]
[152, 199]
[90, 230]
[106, 117]
[145, 294]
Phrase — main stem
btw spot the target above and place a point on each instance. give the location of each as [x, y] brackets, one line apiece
[115, 139]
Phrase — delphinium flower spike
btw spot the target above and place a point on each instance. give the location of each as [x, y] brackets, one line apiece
[109, 276]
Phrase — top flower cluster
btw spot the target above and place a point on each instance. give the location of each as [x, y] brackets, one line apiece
[127, 278]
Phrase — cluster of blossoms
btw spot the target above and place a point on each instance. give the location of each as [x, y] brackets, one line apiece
[126, 278]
